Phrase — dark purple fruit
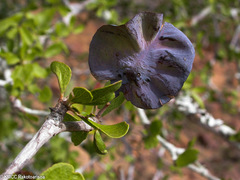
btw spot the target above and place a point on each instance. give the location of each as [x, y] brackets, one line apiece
[152, 59]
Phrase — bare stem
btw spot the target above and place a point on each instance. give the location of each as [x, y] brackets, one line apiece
[99, 114]
[186, 105]
[53, 125]
[17, 104]
[175, 151]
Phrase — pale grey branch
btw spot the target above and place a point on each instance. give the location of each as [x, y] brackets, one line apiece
[186, 105]
[18, 105]
[175, 151]
[52, 126]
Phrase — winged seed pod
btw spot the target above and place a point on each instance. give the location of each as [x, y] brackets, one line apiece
[152, 59]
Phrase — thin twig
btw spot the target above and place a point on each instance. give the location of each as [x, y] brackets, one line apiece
[203, 13]
[158, 175]
[175, 151]
[131, 170]
[121, 174]
[186, 105]
[101, 111]
[236, 40]
[17, 104]
[75, 8]
[72, 126]
[52, 126]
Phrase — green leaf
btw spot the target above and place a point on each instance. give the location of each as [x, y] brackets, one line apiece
[23, 74]
[70, 117]
[115, 103]
[61, 29]
[43, 18]
[187, 157]
[82, 109]
[10, 21]
[113, 131]
[150, 142]
[105, 94]
[54, 1]
[45, 95]
[155, 127]
[78, 29]
[78, 137]
[99, 144]
[33, 88]
[11, 34]
[77, 107]
[26, 36]
[53, 50]
[63, 73]
[81, 95]
[61, 171]
[38, 71]
[235, 137]
[191, 143]
[10, 57]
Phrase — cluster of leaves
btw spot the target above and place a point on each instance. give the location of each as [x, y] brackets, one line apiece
[80, 97]
[31, 35]
[23, 33]
[105, 9]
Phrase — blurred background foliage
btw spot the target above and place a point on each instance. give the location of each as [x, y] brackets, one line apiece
[34, 33]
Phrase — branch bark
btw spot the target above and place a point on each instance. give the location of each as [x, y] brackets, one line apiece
[52, 126]
[186, 105]
[175, 151]
[17, 104]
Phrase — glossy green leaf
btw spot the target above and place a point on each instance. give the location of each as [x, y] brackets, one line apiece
[99, 144]
[81, 95]
[70, 117]
[78, 137]
[113, 131]
[187, 157]
[115, 103]
[63, 73]
[105, 94]
[61, 171]
[82, 109]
